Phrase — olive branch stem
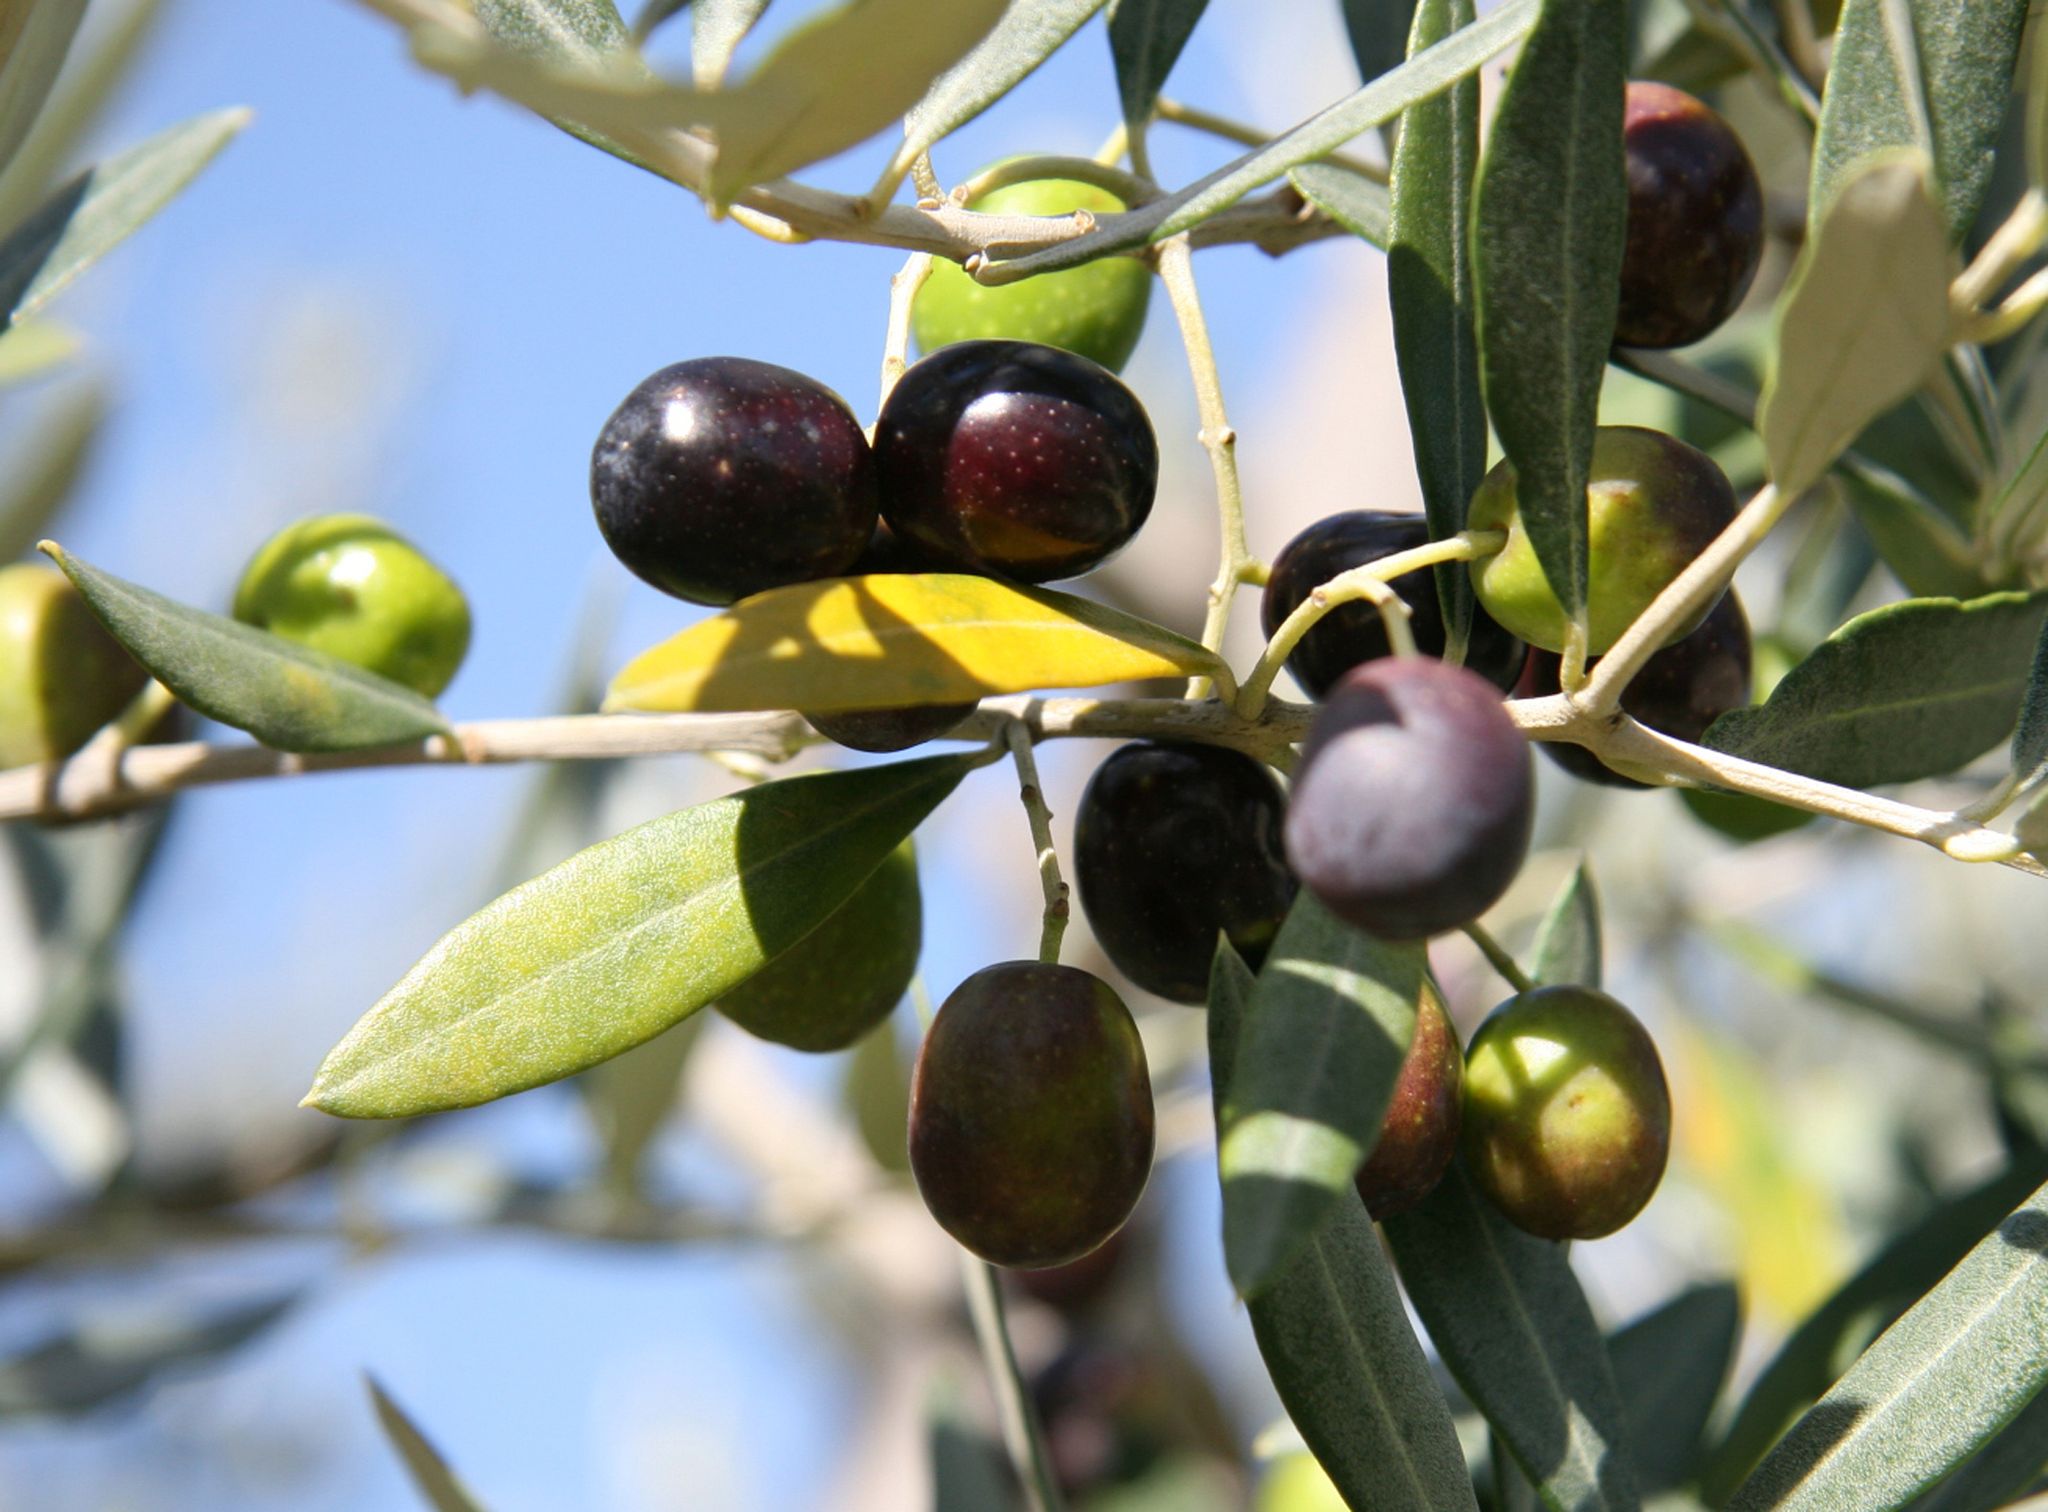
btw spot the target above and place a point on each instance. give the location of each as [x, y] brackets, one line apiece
[1031, 792]
[903, 287]
[1021, 1434]
[1498, 958]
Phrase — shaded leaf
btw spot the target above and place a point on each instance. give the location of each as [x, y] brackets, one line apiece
[1429, 285]
[654, 12]
[429, 1472]
[1810, 1358]
[1930, 75]
[1380, 33]
[630, 1096]
[889, 640]
[1145, 41]
[35, 35]
[2030, 738]
[2010, 1464]
[1567, 948]
[287, 696]
[1669, 1367]
[1921, 545]
[1862, 321]
[1325, 1033]
[717, 27]
[1514, 1329]
[1937, 1385]
[1350, 199]
[1549, 210]
[624, 939]
[43, 480]
[1914, 689]
[1231, 984]
[970, 1472]
[112, 1356]
[97, 211]
[877, 1093]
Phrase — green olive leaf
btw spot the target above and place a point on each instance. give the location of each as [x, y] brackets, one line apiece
[430, 1474]
[1669, 1366]
[35, 35]
[1935, 1387]
[1380, 33]
[573, 33]
[287, 696]
[1549, 209]
[99, 209]
[43, 479]
[1863, 320]
[2030, 737]
[1567, 948]
[2001, 1471]
[629, 1098]
[1809, 1359]
[1914, 689]
[1350, 199]
[1429, 286]
[1932, 75]
[717, 27]
[895, 639]
[1325, 1032]
[1514, 1329]
[1145, 41]
[624, 939]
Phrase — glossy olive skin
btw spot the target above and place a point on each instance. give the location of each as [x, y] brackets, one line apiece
[1014, 459]
[1173, 843]
[847, 975]
[1680, 691]
[1412, 805]
[1354, 633]
[1419, 1135]
[1096, 310]
[351, 586]
[721, 477]
[62, 676]
[1653, 505]
[1695, 219]
[1031, 1114]
[889, 729]
[1567, 1115]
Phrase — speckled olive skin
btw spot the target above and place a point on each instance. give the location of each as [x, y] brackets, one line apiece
[1096, 310]
[1695, 219]
[1031, 1114]
[722, 476]
[1014, 459]
[1419, 1135]
[889, 729]
[1411, 807]
[1354, 633]
[847, 975]
[1567, 1116]
[1653, 504]
[351, 586]
[1173, 843]
[1679, 692]
[62, 675]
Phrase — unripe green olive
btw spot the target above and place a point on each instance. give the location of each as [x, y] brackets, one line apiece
[352, 587]
[1567, 1116]
[62, 675]
[1653, 504]
[1097, 310]
[844, 977]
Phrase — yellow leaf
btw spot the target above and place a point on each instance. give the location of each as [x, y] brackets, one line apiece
[894, 640]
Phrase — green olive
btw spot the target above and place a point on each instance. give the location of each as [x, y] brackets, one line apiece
[351, 586]
[62, 676]
[1097, 310]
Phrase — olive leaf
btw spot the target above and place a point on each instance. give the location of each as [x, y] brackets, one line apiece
[1380, 33]
[1513, 1328]
[1350, 199]
[624, 939]
[1567, 948]
[424, 1465]
[574, 33]
[35, 35]
[1549, 208]
[1937, 1385]
[100, 1359]
[1325, 1033]
[1926, 74]
[2030, 737]
[1863, 320]
[43, 479]
[891, 640]
[717, 27]
[1145, 41]
[2002, 1470]
[288, 696]
[1914, 689]
[1669, 1366]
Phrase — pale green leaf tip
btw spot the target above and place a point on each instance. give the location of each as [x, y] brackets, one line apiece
[51, 550]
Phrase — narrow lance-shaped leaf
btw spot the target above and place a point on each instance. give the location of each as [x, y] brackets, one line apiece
[1514, 1329]
[624, 939]
[1669, 1367]
[97, 211]
[1863, 320]
[424, 1465]
[1352, 200]
[1567, 948]
[1549, 213]
[1380, 33]
[1914, 689]
[287, 696]
[573, 33]
[1937, 1385]
[717, 27]
[2001, 1470]
[1328, 1027]
[1429, 285]
[2030, 738]
[892, 640]
[1932, 75]
[35, 35]
[1145, 41]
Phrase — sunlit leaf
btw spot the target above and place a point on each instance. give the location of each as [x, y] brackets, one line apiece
[2004, 1468]
[1567, 948]
[624, 939]
[30, 348]
[429, 1472]
[575, 33]
[890, 640]
[717, 27]
[34, 37]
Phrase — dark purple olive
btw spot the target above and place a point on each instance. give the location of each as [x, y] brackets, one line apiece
[1353, 633]
[1419, 1135]
[1172, 844]
[1031, 1114]
[1679, 692]
[1015, 459]
[1695, 219]
[723, 476]
[889, 729]
[1411, 808]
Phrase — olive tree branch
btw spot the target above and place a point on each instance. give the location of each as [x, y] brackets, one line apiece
[1496, 957]
[903, 287]
[1053, 928]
